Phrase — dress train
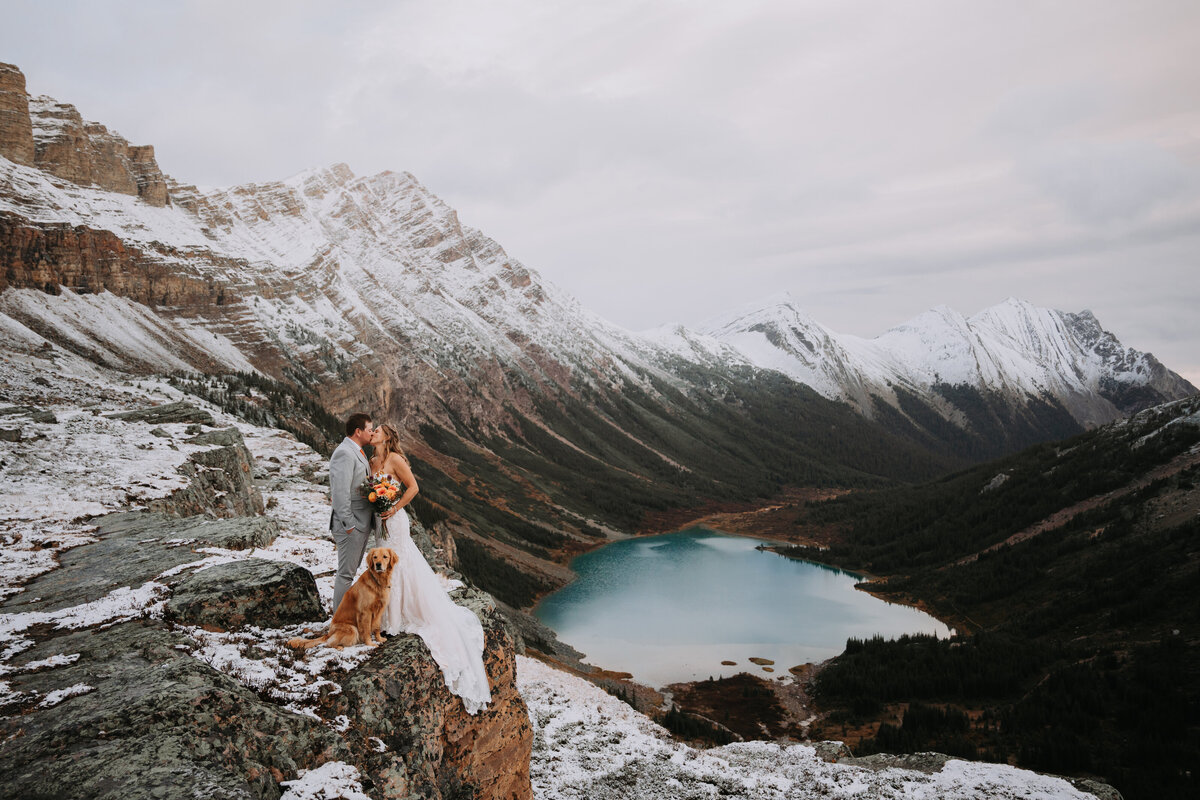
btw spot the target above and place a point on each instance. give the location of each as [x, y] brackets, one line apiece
[418, 604]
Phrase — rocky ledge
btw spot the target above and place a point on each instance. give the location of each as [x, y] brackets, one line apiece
[158, 706]
[150, 661]
[425, 743]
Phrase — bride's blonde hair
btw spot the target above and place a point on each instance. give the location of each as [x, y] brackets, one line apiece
[390, 444]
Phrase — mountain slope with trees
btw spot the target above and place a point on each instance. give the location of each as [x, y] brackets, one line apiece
[1071, 571]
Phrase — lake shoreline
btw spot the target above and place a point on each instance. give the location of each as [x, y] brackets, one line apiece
[625, 612]
[771, 520]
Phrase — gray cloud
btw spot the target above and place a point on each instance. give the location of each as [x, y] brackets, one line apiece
[661, 160]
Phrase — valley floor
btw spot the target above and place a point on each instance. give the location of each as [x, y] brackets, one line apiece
[588, 744]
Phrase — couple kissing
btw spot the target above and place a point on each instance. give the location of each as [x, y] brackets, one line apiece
[416, 601]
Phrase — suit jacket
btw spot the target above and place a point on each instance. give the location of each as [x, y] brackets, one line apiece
[348, 467]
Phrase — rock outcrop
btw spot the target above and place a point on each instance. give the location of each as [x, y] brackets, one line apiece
[132, 548]
[432, 748]
[221, 478]
[89, 154]
[132, 709]
[148, 720]
[54, 137]
[267, 594]
[166, 413]
[16, 130]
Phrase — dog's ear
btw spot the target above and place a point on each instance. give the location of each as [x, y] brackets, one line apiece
[393, 557]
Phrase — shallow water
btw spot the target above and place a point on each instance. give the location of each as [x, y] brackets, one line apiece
[670, 608]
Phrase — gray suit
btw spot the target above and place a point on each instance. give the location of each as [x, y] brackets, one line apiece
[353, 517]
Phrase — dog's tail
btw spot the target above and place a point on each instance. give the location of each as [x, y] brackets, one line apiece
[301, 644]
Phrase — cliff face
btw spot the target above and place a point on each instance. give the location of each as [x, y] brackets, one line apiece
[54, 137]
[16, 129]
[47, 256]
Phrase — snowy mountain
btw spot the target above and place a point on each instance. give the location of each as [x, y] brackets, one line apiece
[1013, 349]
[535, 424]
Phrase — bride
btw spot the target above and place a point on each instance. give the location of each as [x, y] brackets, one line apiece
[418, 603]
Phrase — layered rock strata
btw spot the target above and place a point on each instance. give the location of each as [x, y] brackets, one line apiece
[16, 129]
[86, 153]
[55, 138]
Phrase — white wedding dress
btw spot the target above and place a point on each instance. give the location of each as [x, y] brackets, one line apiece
[418, 603]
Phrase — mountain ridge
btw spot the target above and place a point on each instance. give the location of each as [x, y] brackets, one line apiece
[541, 428]
[1013, 347]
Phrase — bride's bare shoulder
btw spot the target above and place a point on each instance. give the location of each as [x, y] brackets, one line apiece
[397, 464]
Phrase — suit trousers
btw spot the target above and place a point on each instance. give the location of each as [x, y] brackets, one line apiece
[350, 549]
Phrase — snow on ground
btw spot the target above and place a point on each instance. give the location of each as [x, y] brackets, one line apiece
[80, 465]
[260, 659]
[589, 745]
[333, 779]
[58, 695]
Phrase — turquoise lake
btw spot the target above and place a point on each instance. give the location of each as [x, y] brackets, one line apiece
[670, 608]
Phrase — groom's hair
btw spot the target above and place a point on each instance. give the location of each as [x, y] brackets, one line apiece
[356, 422]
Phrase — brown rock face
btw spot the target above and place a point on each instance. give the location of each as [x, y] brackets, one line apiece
[90, 154]
[16, 132]
[151, 183]
[433, 748]
[47, 256]
[83, 153]
[55, 137]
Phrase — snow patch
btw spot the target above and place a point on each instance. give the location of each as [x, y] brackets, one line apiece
[333, 779]
[58, 695]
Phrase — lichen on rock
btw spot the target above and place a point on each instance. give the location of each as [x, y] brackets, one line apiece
[267, 594]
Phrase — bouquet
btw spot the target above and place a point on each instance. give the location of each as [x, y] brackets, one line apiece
[381, 491]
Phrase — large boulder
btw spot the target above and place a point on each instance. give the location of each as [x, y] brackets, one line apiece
[432, 748]
[152, 722]
[267, 594]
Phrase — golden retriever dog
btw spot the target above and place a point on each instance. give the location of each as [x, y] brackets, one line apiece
[357, 618]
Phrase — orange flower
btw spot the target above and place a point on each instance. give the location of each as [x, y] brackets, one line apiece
[372, 497]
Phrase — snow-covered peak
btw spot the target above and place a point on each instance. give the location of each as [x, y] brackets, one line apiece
[1014, 348]
[327, 268]
[780, 309]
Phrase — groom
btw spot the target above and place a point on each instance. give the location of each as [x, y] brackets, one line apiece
[353, 517]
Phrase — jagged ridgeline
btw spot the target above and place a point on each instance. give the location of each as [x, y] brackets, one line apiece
[1074, 568]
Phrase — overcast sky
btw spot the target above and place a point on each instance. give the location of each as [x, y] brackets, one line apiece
[663, 160]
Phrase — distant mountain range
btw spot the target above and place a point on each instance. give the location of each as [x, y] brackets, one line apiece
[537, 424]
[1013, 348]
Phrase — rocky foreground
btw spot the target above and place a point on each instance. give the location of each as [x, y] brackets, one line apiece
[155, 556]
[142, 651]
